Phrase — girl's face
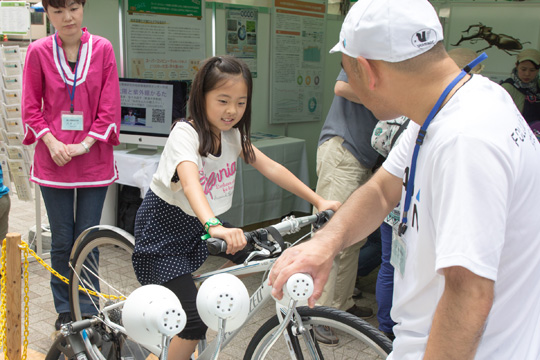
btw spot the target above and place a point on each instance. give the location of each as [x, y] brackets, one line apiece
[66, 20]
[226, 104]
[526, 71]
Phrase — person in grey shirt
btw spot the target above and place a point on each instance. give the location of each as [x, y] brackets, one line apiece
[345, 158]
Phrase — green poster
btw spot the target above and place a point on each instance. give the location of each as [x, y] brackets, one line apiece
[167, 7]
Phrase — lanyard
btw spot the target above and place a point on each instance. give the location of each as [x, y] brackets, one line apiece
[72, 92]
[422, 135]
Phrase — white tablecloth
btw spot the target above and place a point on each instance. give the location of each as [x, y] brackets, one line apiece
[256, 198]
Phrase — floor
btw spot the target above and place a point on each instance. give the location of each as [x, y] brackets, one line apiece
[41, 309]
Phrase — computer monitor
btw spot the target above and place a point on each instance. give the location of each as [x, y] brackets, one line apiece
[149, 107]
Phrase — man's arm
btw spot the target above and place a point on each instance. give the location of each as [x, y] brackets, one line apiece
[460, 316]
[344, 90]
[361, 214]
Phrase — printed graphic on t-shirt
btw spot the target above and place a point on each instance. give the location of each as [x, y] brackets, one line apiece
[218, 184]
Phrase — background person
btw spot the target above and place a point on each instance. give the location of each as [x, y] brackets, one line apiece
[344, 162]
[75, 121]
[523, 85]
[468, 259]
[194, 183]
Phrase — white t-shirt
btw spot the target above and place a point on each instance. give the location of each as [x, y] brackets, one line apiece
[475, 204]
[217, 173]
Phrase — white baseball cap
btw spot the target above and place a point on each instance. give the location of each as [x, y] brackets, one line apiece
[389, 30]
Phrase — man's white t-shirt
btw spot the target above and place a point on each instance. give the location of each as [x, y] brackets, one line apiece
[476, 204]
[216, 173]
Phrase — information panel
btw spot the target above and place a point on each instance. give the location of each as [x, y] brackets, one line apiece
[163, 47]
[297, 61]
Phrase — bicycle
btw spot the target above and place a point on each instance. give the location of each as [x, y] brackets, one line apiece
[95, 252]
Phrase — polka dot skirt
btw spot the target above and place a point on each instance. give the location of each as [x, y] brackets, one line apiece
[167, 242]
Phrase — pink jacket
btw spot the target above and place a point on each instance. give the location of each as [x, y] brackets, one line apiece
[97, 95]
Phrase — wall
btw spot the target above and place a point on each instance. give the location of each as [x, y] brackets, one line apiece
[101, 18]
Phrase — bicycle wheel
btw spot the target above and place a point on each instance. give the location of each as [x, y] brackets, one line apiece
[102, 264]
[357, 338]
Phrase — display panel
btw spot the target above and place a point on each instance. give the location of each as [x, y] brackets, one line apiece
[149, 107]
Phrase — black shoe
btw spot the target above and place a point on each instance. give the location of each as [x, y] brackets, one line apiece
[361, 312]
[325, 335]
[389, 335]
[63, 318]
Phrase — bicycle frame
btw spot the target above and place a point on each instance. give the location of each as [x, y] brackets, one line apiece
[256, 301]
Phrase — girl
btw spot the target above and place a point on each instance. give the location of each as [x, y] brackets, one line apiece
[71, 111]
[524, 85]
[194, 183]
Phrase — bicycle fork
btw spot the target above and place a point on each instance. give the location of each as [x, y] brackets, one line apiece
[292, 328]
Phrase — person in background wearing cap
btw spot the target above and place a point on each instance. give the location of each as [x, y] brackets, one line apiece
[466, 256]
[524, 84]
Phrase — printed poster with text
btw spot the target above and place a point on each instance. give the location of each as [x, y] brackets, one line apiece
[297, 61]
[164, 47]
[241, 35]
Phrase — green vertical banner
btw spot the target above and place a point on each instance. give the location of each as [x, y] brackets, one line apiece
[191, 8]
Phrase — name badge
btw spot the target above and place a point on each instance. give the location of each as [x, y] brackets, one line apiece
[72, 121]
[398, 258]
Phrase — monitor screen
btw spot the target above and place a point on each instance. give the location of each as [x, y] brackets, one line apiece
[149, 108]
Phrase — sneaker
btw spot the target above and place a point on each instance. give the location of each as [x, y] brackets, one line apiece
[63, 318]
[325, 335]
[361, 312]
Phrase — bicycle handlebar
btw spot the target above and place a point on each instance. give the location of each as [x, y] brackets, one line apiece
[288, 225]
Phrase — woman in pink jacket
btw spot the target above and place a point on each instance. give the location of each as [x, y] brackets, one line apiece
[71, 110]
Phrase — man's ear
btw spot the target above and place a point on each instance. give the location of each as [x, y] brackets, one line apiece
[368, 71]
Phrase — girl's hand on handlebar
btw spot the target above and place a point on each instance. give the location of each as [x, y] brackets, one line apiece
[328, 205]
[234, 237]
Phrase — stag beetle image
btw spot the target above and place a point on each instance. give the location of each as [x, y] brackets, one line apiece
[506, 43]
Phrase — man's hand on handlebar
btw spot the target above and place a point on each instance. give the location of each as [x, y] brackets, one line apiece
[234, 237]
[313, 257]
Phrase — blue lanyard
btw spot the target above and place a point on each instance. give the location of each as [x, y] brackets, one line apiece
[422, 135]
[72, 92]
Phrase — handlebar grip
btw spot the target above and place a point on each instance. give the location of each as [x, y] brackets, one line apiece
[216, 246]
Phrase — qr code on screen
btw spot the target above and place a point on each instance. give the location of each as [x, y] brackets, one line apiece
[158, 116]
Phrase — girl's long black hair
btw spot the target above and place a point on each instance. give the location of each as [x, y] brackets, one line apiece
[212, 73]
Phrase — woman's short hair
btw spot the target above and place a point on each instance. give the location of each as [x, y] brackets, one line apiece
[59, 3]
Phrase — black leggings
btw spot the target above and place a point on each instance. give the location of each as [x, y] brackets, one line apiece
[186, 291]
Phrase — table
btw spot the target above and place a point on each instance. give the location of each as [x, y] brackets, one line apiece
[256, 198]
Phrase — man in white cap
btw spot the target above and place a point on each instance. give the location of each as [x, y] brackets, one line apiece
[466, 171]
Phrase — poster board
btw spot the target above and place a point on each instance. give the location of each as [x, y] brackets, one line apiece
[297, 61]
[241, 34]
[164, 40]
[14, 18]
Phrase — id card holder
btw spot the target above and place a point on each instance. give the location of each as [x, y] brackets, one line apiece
[72, 121]
[398, 258]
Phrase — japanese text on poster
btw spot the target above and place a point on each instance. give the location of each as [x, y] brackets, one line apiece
[297, 61]
[167, 7]
[14, 17]
[146, 106]
[241, 35]
[163, 47]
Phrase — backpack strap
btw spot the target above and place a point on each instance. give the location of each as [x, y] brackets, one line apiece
[398, 132]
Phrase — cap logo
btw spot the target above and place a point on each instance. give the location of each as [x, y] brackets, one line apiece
[424, 37]
[344, 43]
